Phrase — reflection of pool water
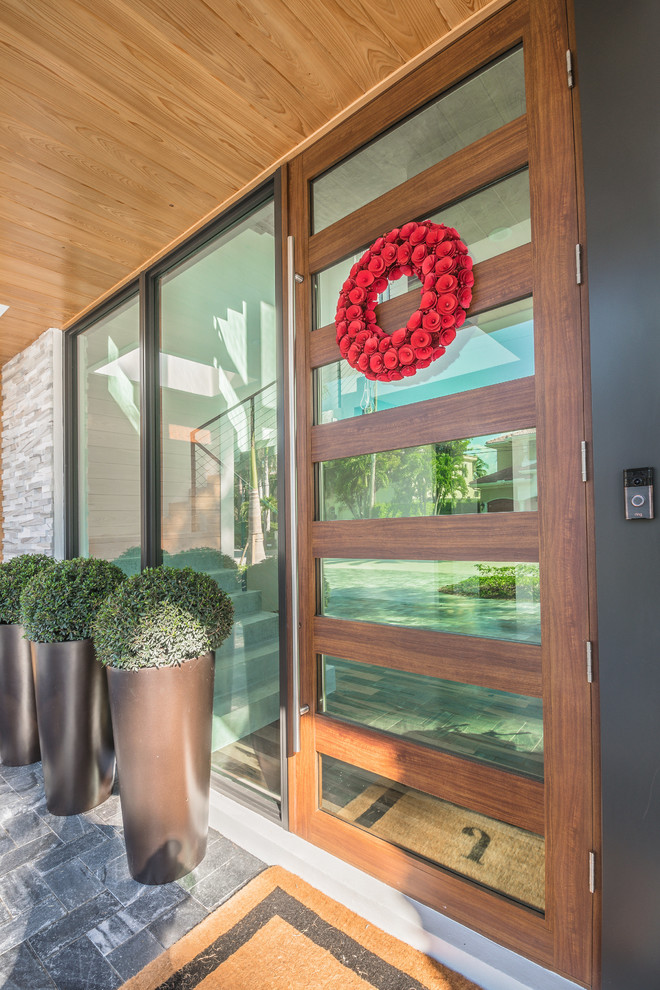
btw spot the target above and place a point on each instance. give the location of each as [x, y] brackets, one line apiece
[405, 593]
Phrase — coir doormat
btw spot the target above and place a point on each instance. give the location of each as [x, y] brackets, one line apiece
[278, 933]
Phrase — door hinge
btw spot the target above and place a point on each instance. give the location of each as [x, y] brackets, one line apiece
[578, 264]
[569, 68]
[583, 459]
[592, 872]
[590, 662]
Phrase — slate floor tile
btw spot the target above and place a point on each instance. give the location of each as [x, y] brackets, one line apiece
[20, 969]
[177, 922]
[30, 852]
[80, 966]
[68, 827]
[75, 924]
[24, 826]
[117, 878]
[63, 852]
[22, 777]
[218, 886]
[10, 805]
[5, 842]
[110, 934]
[134, 954]
[218, 853]
[73, 884]
[97, 858]
[42, 915]
[108, 813]
[22, 889]
[151, 903]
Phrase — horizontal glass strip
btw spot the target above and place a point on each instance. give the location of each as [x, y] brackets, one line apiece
[498, 856]
[491, 222]
[493, 347]
[490, 600]
[477, 107]
[493, 727]
[483, 474]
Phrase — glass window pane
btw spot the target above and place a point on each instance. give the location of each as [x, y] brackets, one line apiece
[108, 356]
[488, 100]
[484, 474]
[492, 600]
[493, 347]
[498, 856]
[219, 474]
[494, 727]
[491, 222]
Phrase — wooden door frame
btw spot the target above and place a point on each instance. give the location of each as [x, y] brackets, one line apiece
[562, 938]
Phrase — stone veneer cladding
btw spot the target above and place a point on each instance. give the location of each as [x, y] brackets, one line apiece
[30, 417]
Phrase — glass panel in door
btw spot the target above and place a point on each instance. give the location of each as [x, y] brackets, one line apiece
[219, 438]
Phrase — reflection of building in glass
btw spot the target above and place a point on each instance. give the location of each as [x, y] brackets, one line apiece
[512, 486]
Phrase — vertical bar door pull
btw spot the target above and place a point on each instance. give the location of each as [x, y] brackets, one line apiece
[292, 279]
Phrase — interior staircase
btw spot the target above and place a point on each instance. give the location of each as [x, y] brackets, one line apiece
[247, 675]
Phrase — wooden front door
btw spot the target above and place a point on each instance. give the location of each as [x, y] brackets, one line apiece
[443, 519]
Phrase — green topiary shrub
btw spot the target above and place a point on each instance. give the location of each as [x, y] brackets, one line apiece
[14, 575]
[203, 557]
[130, 560]
[160, 618]
[60, 602]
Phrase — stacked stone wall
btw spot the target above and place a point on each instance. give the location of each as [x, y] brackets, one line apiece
[29, 421]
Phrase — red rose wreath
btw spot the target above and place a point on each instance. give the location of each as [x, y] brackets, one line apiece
[439, 258]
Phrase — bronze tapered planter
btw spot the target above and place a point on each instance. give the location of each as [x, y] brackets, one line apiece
[75, 730]
[19, 736]
[162, 721]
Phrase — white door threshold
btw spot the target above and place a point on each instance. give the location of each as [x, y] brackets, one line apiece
[487, 964]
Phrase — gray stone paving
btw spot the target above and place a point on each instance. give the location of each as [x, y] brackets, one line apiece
[71, 916]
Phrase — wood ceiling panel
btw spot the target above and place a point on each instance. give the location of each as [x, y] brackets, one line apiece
[124, 124]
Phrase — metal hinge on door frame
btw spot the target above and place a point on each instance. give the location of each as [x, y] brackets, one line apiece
[569, 68]
[590, 662]
[578, 264]
[592, 872]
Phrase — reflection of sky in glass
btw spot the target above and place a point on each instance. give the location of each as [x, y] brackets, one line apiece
[494, 347]
[476, 107]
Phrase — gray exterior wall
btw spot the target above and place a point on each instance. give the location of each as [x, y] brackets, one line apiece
[32, 448]
[619, 84]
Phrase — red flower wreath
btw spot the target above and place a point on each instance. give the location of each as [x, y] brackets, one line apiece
[440, 259]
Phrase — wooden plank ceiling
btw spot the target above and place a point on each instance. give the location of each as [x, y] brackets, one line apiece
[125, 123]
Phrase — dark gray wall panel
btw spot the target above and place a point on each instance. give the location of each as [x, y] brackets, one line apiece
[619, 90]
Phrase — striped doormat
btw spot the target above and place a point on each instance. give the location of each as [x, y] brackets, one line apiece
[278, 933]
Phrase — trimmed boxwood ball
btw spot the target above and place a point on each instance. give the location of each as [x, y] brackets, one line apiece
[60, 602]
[204, 557]
[160, 618]
[14, 575]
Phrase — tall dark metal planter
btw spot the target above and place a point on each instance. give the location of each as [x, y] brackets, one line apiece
[162, 720]
[75, 730]
[19, 736]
